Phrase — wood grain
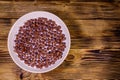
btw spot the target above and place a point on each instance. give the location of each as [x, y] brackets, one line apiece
[95, 38]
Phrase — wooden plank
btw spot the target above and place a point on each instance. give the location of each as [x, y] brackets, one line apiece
[80, 55]
[84, 27]
[45, 1]
[95, 10]
[99, 10]
[80, 63]
[23, 0]
[92, 0]
[85, 33]
[6, 0]
[53, 1]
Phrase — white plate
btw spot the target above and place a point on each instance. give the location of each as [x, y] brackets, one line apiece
[14, 31]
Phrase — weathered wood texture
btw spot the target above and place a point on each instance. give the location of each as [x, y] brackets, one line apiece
[95, 38]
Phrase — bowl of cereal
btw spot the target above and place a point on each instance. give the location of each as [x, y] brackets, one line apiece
[39, 42]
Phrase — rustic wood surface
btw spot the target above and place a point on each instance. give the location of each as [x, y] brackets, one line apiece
[95, 38]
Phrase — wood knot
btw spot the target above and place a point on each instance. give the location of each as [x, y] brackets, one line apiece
[94, 51]
[21, 76]
[70, 57]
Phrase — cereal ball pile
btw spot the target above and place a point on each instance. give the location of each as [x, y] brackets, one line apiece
[40, 42]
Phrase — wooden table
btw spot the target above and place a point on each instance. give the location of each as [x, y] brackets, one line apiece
[95, 39]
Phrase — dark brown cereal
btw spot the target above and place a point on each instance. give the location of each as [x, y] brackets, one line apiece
[40, 42]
